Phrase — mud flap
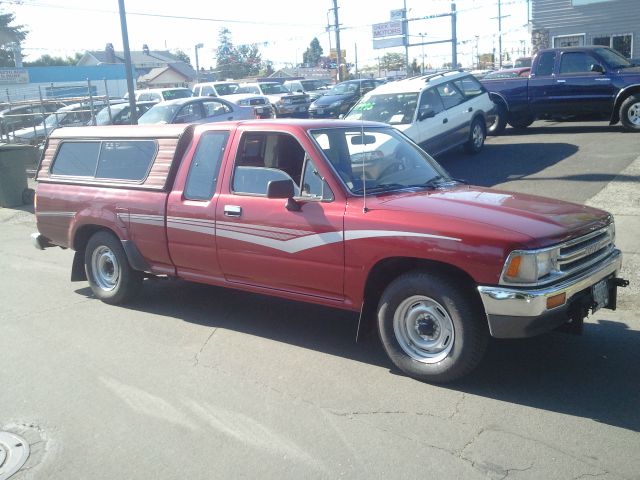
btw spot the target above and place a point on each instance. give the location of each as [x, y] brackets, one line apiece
[78, 273]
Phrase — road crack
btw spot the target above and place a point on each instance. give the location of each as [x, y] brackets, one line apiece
[196, 357]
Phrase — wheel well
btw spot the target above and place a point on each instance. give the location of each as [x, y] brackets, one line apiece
[387, 270]
[84, 233]
[499, 99]
[615, 114]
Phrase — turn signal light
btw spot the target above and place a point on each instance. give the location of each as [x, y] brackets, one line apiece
[514, 266]
[556, 300]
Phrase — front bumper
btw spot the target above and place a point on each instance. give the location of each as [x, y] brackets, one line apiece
[521, 312]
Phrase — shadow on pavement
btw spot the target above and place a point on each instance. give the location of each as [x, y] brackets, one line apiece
[591, 376]
[499, 163]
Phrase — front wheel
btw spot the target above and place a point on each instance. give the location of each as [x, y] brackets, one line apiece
[477, 136]
[630, 113]
[110, 276]
[432, 329]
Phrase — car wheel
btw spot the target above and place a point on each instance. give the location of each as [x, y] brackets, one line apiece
[630, 113]
[521, 122]
[110, 276]
[500, 122]
[432, 329]
[477, 135]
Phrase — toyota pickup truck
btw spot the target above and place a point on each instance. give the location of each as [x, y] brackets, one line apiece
[593, 82]
[345, 214]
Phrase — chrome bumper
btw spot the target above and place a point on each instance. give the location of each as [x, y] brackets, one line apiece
[525, 306]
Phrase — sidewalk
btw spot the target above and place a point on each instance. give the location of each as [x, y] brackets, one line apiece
[621, 197]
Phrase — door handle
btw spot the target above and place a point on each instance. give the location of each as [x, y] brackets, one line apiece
[232, 211]
[470, 109]
[445, 120]
[561, 81]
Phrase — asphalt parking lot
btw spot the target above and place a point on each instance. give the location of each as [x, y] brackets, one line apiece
[194, 382]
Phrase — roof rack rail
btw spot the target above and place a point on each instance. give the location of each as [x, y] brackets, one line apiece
[441, 73]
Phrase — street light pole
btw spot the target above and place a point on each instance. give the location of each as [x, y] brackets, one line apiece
[422, 35]
[198, 46]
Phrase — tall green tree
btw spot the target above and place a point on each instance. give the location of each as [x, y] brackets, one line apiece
[182, 56]
[225, 54]
[49, 61]
[9, 34]
[236, 62]
[313, 54]
[392, 61]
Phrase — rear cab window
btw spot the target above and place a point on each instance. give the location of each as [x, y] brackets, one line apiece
[205, 166]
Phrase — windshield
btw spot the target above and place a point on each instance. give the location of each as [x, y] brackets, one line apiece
[613, 58]
[313, 84]
[102, 118]
[177, 93]
[378, 159]
[270, 88]
[52, 120]
[226, 88]
[159, 114]
[343, 88]
[248, 89]
[391, 108]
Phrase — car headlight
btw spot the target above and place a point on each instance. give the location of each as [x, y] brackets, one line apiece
[529, 266]
[336, 104]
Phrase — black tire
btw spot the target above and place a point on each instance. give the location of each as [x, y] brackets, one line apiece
[500, 122]
[477, 136]
[630, 113]
[108, 271]
[521, 122]
[408, 299]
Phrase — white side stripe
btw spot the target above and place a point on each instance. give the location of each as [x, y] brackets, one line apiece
[55, 214]
[356, 234]
[290, 246]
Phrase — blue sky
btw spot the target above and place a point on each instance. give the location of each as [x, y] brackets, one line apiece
[282, 28]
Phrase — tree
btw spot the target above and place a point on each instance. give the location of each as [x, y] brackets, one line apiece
[225, 54]
[182, 56]
[9, 34]
[313, 54]
[392, 61]
[236, 62]
[414, 68]
[49, 61]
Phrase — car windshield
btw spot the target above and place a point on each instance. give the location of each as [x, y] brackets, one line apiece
[102, 118]
[159, 114]
[378, 159]
[177, 93]
[613, 58]
[391, 108]
[226, 88]
[501, 75]
[54, 119]
[271, 88]
[248, 89]
[343, 88]
[313, 85]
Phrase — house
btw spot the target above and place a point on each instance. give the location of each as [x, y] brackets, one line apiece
[171, 75]
[313, 73]
[564, 23]
[144, 62]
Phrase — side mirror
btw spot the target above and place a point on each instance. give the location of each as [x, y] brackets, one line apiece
[280, 189]
[427, 113]
[597, 68]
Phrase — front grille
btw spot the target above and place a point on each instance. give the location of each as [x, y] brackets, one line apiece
[585, 251]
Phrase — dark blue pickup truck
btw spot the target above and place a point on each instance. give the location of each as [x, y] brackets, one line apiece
[570, 82]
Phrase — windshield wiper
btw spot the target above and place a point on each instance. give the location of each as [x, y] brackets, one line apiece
[438, 181]
[381, 187]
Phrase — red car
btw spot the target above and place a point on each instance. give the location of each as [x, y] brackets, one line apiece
[351, 215]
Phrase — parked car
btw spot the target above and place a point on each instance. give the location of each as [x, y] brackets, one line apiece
[590, 81]
[284, 103]
[160, 94]
[341, 98]
[75, 115]
[23, 116]
[195, 110]
[439, 112]
[229, 90]
[313, 88]
[508, 73]
[349, 215]
[121, 113]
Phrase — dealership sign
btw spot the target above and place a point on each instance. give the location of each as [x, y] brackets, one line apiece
[387, 29]
[10, 76]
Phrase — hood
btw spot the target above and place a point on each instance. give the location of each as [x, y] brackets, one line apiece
[530, 220]
[326, 100]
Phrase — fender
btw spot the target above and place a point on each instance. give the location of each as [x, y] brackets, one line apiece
[134, 257]
[630, 89]
[499, 97]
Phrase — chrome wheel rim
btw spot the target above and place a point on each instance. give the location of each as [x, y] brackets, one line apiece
[633, 114]
[424, 330]
[478, 136]
[105, 268]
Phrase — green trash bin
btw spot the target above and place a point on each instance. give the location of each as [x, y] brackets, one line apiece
[13, 173]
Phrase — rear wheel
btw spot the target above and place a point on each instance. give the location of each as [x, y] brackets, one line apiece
[500, 121]
[110, 276]
[477, 136]
[630, 113]
[521, 122]
[431, 328]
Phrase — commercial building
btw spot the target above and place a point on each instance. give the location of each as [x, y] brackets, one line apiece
[564, 23]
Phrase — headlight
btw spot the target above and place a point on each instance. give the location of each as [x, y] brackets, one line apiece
[336, 104]
[529, 266]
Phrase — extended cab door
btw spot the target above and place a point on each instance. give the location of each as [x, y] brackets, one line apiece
[191, 209]
[260, 241]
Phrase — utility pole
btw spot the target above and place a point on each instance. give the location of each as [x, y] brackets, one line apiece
[454, 38]
[127, 63]
[337, 27]
[500, 17]
[355, 47]
[405, 29]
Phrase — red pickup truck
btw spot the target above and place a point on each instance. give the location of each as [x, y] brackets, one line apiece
[350, 215]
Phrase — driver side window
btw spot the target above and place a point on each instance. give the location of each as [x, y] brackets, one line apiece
[430, 100]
